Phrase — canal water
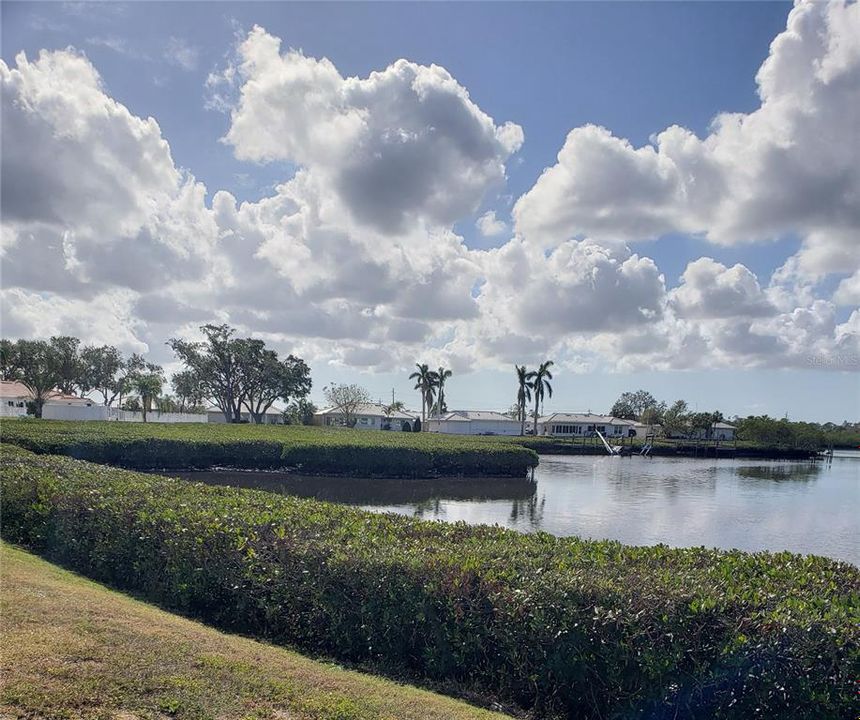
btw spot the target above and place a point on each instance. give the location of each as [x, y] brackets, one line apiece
[804, 507]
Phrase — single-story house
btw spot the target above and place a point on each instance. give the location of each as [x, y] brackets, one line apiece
[273, 416]
[474, 422]
[641, 430]
[368, 416]
[717, 431]
[14, 397]
[574, 425]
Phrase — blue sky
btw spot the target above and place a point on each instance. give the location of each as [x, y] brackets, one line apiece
[633, 68]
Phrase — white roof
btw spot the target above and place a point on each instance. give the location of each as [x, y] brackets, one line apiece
[584, 418]
[724, 425]
[469, 415]
[371, 410]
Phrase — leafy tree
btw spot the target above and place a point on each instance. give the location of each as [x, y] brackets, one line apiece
[217, 363]
[8, 360]
[540, 386]
[524, 396]
[68, 361]
[132, 404]
[166, 404]
[675, 419]
[653, 415]
[348, 399]
[300, 412]
[266, 378]
[36, 365]
[701, 421]
[189, 392]
[102, 370]
[631, 405]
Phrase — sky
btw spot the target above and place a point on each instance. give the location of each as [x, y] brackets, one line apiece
[653, 195]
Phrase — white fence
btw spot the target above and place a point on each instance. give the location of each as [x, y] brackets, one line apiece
[99, 412]
[154, 416]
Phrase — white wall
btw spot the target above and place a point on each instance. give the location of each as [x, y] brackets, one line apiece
[474, 427]
[56, 411]
[12, 411]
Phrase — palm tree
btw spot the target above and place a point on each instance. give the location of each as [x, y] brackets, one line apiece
[441, 375]
[524, 395]
[423, 378]
[148, 386]
[540, 384]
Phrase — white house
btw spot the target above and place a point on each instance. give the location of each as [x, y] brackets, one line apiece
[474, 422]
[368, 416]
[14, 397]
[717, 431]
[574, 425]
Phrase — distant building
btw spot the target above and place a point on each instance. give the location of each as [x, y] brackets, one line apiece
[273, 416]
[14, 397]
[368, 416]
[474, 422]
[575, 425]
[717, 431]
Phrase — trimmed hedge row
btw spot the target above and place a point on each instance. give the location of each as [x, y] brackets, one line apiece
[252, 447]
[561, 626]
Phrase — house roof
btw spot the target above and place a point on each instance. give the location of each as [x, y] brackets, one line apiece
[469, 415]
[723, 425]
[587, 418]
[15, 389]
[371, 410]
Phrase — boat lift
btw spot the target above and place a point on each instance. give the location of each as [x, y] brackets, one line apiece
[615, 451]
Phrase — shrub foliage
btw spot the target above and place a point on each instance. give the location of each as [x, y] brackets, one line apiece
[559, 625]
[253, 447]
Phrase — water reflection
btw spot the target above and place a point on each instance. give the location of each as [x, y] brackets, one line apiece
[746, 504]
[423, 495]
[784, 471]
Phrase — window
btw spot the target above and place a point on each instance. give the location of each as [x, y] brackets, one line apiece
[11, 403]
[362, 421]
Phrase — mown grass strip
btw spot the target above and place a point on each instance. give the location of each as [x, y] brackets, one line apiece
[150, 446]
[584, 629]
[73, 648]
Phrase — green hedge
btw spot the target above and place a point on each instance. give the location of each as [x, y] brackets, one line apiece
[580, 628]
[309, 449]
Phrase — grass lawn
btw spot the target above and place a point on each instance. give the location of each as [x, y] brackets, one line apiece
[74, 649]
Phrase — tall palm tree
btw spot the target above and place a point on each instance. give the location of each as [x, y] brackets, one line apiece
[423, 378]
[540, 385]
[441, 375]
[524, 395]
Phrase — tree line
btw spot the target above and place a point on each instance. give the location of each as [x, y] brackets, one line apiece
[677, 421]
[62, 365]
[233, 373]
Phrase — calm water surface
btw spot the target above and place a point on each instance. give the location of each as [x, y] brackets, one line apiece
[746, 504]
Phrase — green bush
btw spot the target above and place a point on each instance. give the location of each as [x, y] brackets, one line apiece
[558, 625]
[308, 449]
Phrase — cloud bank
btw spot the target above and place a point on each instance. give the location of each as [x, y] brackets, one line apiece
[354, 259]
